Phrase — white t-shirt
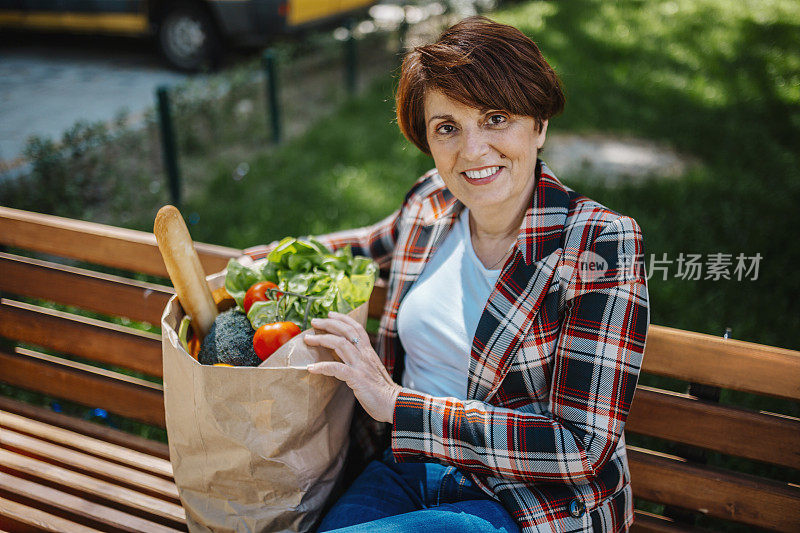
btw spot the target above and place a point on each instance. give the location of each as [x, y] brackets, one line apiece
[438, 317]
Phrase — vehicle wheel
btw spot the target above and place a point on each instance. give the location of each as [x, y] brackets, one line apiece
[188, 37]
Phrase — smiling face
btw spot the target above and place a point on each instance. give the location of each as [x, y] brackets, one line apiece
[487, 158]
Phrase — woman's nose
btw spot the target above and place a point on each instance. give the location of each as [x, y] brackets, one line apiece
[474, 145]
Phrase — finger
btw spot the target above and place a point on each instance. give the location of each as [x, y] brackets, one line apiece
[339, 371]
[343, 348]
[357, 329]
[346, 318]
[361, 334]
[336, 327]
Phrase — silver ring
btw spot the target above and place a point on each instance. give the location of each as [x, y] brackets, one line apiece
[355, 340]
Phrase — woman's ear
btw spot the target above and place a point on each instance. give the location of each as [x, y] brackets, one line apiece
[542, 135]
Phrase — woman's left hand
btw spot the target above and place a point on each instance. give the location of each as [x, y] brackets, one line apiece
[361, 368]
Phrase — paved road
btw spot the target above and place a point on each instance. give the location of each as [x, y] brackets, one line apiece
[48, 82]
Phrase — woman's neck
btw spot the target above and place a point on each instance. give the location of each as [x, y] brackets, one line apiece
[488, 226]
[502, 222]
[493, 233]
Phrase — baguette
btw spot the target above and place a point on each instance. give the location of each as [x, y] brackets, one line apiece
[185, 270]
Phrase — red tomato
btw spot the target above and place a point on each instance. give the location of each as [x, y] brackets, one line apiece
[258, 293]
[270, 337]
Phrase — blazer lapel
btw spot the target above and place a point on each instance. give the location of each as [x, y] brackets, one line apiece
[520, 289]
[437, 214]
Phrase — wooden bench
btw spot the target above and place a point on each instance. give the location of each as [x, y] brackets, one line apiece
[63, 473]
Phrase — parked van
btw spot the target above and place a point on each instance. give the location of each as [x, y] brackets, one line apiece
[191, 34]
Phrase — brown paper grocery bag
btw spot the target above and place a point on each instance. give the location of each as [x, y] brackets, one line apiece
[253, 448]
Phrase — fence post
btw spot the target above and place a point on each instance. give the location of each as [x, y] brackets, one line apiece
[168, 144]
[403, 31]
[350, 59]
[271, 82]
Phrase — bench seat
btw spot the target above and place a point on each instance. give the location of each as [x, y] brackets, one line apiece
[59, 473]
[80, 307]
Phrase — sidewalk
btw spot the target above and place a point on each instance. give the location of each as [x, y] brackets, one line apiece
[45, 89]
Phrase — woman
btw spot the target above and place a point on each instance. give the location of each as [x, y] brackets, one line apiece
[514, 326]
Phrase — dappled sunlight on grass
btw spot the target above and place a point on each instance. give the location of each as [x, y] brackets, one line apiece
[683, 57]
[530, 17]
[349, 170]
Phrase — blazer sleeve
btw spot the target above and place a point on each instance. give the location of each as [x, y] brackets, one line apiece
[596, 365]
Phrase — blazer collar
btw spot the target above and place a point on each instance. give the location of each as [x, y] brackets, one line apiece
[542, 225]
[519, 292]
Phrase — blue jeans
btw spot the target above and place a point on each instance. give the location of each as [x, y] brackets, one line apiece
[402, 497]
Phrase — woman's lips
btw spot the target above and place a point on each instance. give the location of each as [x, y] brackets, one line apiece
[482, 181]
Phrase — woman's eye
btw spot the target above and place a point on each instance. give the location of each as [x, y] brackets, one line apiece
[445, 129]
[497, 119]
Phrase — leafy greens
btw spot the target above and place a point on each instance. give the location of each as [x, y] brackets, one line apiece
[335, 281]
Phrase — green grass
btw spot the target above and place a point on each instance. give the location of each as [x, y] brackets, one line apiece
[350, 169]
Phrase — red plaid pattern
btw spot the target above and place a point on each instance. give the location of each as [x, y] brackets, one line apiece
[554, 361]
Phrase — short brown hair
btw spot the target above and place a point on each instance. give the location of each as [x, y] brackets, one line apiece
[480, 63]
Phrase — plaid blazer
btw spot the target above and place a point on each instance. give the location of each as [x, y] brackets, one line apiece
[554, 361]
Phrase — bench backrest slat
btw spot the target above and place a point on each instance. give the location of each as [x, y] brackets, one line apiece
[69, 380]
[681, 418]
[21, 517]
[646, 522]
[87, 289]
[727, 363]
[85, 337]
[126, 249]
[739, 497]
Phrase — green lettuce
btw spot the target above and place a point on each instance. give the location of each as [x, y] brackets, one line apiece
[240, 278]
[319, 281]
